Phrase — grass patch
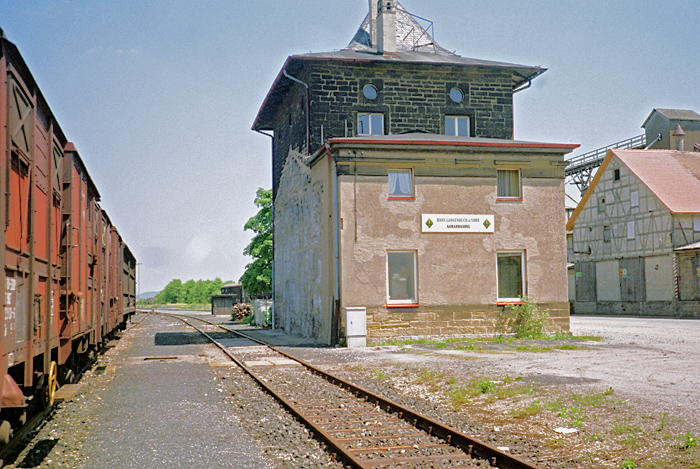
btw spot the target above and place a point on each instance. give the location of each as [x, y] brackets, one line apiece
[532, 348]
[687, 442]
[529, 410]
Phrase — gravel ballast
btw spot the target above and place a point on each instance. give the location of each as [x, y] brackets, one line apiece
[634, 389]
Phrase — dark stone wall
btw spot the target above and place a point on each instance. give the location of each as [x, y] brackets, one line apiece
[412, 97]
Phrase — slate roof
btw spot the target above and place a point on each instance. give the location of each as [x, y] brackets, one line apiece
[414, 45]
[672, 176]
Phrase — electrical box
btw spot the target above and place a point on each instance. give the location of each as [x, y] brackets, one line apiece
[356, 327]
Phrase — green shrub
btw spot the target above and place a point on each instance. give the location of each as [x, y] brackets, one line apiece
[529, 321]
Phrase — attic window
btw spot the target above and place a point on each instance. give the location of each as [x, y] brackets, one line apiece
[456, 95]
[370, 92]
[616, 174]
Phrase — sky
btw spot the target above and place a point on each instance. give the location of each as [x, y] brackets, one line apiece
[159, 96]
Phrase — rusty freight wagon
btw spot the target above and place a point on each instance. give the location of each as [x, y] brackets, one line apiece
[68, 278]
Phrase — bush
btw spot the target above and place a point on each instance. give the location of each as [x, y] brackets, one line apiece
[528, 320]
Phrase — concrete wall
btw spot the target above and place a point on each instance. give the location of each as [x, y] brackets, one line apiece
[302, 233]
[457, 273]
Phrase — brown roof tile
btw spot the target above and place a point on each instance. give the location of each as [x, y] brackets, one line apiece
[673, 176]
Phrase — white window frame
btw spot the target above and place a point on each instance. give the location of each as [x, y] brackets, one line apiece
[456, 127]
[630, 230]
[519, 196]
[634, 199]
[412, 195]
[523, 272]
[372, 130]
[407, 302]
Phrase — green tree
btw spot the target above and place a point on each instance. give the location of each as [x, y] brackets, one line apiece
[170, 293]
[257, 277]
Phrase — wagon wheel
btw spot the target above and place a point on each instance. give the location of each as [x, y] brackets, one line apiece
[53, 382]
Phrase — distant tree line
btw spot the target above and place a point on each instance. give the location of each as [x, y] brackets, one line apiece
[190, 292]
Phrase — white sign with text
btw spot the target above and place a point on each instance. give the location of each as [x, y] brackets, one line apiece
[452, 223]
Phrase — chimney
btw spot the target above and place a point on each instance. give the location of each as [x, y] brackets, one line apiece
[386, 27]
[679, 137]
[373, 22]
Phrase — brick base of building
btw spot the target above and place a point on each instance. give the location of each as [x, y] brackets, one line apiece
[385, 323]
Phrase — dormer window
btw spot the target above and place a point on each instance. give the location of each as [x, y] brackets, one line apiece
[370, 124]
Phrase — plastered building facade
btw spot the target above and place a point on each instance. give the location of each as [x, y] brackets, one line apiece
[398, 188]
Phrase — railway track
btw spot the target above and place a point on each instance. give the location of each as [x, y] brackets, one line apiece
[360, 428]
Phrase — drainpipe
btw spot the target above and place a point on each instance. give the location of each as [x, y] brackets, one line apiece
[306, 105]
[336, 240]
[272, 280]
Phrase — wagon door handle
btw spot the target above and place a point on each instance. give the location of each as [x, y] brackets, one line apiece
[78, 230]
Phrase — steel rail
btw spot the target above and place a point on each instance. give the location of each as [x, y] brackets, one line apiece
[337, 450]
[470, 445]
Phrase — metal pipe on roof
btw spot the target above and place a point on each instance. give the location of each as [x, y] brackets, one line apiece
[306, 111]
[529, 84]
[657, 139]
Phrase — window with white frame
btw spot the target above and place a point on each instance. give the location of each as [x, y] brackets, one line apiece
[370, 124]
[634, 198]
[401, 278]
[508, 181]
[401, 184]
[457, 126]
[511, 276]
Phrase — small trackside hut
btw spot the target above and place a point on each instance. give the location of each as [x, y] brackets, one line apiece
[398, 189]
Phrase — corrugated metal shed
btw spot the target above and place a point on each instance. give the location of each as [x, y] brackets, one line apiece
[674, 114]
